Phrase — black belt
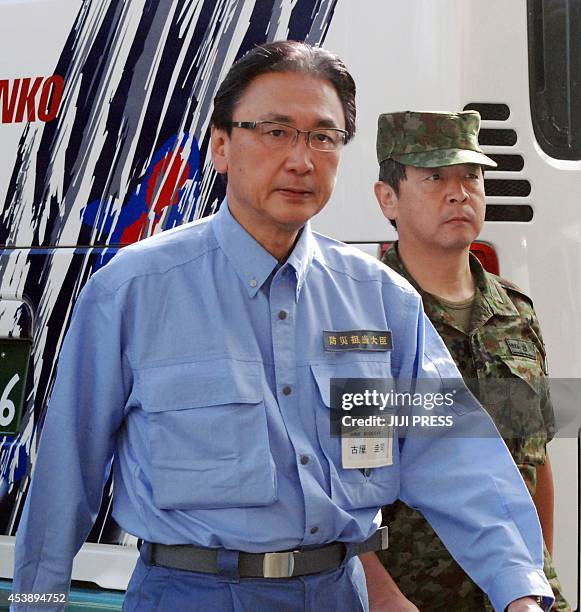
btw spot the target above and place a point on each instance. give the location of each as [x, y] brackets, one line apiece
[284, 564]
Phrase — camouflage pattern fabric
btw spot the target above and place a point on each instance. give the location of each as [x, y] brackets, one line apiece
[416, 559]
[431, 140]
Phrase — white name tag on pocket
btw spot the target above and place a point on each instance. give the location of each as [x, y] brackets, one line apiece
[369, 448]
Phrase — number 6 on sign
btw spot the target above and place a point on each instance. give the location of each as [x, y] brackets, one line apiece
[7, 404]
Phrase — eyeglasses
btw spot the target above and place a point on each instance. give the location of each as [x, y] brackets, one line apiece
[279, 135]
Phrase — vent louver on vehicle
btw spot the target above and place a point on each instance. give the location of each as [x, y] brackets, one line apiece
[490, 112]
[502, 187]
[509, 212]
[507, 163]
[511, 188]
[498, 138]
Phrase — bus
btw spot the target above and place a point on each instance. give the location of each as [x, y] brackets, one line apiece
[105, 108]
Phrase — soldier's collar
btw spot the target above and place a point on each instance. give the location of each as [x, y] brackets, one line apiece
[491, 298]
[491, 291]
[392, 259]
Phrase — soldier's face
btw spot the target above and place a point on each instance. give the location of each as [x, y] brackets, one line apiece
[437, 208]
[273, 192]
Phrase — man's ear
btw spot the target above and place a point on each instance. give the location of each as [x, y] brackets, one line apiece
[219, 144]
[387, 199]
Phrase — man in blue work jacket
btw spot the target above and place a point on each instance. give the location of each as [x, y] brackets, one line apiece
[202, 361]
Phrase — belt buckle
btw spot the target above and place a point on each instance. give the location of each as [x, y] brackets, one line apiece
[278, 564]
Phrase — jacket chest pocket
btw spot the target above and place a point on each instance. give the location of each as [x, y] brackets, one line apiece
[515, 394]
[208, 435]
[353, 488]
[529, 410]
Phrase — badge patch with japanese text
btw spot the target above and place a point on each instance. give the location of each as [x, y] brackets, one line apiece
[358, 340]
[522, 348]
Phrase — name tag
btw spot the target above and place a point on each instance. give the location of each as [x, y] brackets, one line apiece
[358, 340]
[370, 448]
[522, 348]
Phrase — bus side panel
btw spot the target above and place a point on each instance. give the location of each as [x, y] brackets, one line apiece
[106, 146]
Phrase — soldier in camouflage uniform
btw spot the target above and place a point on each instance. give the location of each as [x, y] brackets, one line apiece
[491, 331]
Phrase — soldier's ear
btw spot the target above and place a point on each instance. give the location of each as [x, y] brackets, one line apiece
[387, 199]
[220, 144]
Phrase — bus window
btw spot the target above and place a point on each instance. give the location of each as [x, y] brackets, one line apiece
[554, 28]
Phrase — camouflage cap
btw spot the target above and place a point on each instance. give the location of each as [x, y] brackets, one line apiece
[431, 139]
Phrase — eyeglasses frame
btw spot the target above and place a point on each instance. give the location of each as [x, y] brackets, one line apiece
[252, 125]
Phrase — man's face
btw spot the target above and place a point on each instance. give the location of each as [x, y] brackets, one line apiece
[437, 208]
[273, 192]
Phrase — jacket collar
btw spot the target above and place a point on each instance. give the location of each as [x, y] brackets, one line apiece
[491, 299]
[252, 262]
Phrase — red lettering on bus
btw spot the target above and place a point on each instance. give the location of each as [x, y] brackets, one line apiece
[20, 98]
[26, 100]
[50, 97]
[8, 99]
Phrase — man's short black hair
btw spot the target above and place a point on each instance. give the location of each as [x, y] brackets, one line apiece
[284, 56]
[392, 173]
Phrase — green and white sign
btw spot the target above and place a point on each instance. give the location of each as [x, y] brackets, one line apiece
[14, 355]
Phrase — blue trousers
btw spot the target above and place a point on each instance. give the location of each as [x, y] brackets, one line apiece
[159, 589]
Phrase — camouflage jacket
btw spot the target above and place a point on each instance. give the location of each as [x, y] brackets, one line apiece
[502, 359]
